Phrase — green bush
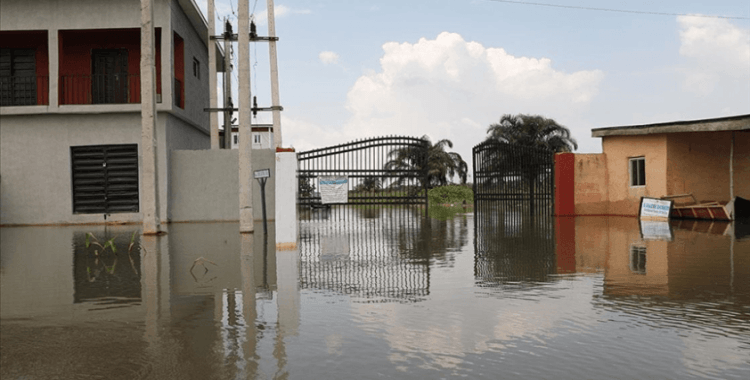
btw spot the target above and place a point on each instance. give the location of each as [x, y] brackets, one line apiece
[450, 194]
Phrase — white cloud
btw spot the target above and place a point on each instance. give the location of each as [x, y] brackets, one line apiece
[451, 88]
[328, 57]
[716, 50]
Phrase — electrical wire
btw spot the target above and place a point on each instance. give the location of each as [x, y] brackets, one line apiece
[616, 10]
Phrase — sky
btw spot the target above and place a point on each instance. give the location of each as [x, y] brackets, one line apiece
[450, 68]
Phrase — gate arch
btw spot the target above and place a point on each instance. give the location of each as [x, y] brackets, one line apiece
[364, 163]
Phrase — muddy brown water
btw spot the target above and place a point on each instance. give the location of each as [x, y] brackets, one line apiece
[379, 293]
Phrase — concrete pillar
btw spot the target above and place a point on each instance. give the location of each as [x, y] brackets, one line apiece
[274, 76]
[53, 50]
[149, 183]
[213, 117]
[286, 200]
[245, 139]
[227, 85]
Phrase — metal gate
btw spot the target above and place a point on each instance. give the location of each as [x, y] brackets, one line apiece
[513, 213]
[515, 181]
[378, 171]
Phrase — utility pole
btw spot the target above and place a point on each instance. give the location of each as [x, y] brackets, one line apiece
[227, 84]
[213, 118]
[150, 188]
[245, 118]
[274, 75]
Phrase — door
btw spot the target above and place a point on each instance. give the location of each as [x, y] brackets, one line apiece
[109, 82]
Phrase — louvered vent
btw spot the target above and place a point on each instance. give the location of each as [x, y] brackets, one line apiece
[105, 178]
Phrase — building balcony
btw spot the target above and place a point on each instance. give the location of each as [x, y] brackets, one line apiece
[100, 89]
[28, 90]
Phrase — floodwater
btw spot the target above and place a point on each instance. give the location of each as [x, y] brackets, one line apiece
[379, 293]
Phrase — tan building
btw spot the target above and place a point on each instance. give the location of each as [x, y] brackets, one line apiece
[709, 159]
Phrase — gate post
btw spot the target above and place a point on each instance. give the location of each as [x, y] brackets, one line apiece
[286, 199]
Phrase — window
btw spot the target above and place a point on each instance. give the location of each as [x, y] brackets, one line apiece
[235, 139]
[256, 138]
[638, 171]
[105, 178]
[196, 68]
[638, 259]
[17, 77]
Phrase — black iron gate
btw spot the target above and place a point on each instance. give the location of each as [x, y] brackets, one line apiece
[378, 171]
[517, 181]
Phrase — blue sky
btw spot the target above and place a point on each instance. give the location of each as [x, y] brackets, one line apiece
[450, 68]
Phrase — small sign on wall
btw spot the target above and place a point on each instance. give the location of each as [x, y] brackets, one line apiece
[655, 209]
[334, 189]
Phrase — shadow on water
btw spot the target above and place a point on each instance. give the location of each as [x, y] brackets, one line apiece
[375, 253]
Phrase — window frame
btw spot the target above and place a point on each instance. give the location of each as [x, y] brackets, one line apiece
[196, 68]
[637, 171]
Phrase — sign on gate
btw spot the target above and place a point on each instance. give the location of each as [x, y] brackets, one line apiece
[334, 189]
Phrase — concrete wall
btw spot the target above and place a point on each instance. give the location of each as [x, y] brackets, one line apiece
[698, 163]
[35, 164]
[623, 198]
[205, 185]
[591, 195]
[196, 89]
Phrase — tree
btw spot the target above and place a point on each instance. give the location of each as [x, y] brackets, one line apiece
[431, 160]
[532, 130]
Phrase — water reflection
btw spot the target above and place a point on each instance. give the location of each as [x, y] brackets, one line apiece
[386, 293]
[377, 254]
[512, 246]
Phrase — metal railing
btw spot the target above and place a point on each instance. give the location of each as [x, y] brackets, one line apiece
[24, 90]
[100, 89]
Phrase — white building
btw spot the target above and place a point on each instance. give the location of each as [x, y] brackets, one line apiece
[70, 113]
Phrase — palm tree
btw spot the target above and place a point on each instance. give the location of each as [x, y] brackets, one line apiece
[532, 130]
[431, 160]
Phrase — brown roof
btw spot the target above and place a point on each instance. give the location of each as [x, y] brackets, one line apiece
[731, 123]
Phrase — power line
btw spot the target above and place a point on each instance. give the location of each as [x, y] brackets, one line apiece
[616, 10]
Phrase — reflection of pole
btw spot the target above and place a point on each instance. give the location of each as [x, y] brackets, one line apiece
[247, 269]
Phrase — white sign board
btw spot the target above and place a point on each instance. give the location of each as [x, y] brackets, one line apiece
[263, 173]
[655, 209]
[333, 189]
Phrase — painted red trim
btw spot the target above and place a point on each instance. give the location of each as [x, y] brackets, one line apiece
[179, 66]
[565, 184]
[281, 150]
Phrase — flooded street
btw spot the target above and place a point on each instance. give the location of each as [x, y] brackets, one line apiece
[379, 293]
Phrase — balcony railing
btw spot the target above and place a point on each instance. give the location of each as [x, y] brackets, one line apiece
[100, 89]
[24, 90]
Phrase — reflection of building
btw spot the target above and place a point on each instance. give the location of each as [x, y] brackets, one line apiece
[701, 258]
[70, 94]
[709, 159]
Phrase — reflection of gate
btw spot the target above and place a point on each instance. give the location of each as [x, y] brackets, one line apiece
[381, 170]
[514, 177]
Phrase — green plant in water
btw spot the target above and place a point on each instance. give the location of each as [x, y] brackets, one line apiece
[92, 241]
